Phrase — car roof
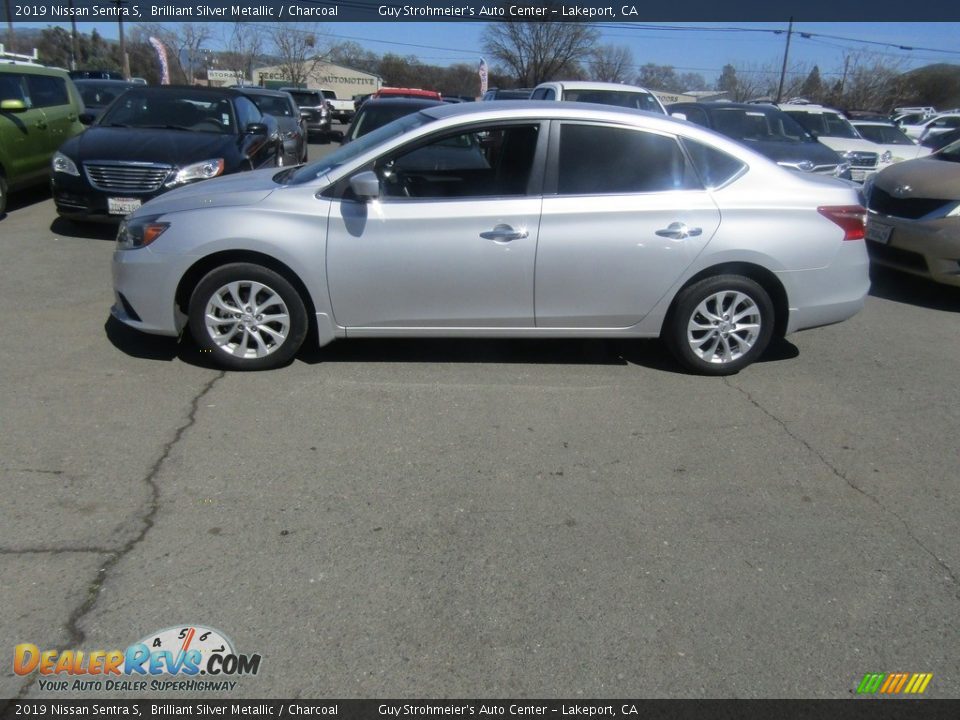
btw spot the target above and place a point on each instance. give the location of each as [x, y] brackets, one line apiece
[591, 85]
[188, 89]
[725, 104]
[104, 82]
[259, 91]
[881, 123]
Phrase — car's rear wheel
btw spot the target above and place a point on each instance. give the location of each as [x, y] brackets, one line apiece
[248, 317]
[720, 324]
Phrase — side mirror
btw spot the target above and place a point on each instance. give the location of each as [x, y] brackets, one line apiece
[257, 129]
[365, 185]
[87, 118]
[679, 115]
[13, 106]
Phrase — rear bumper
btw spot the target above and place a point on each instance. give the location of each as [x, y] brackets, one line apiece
[831, 294]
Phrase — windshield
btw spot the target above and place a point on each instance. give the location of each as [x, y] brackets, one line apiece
[353, 149]
[306, 99]
[620, 98]
[273, 105]
[759, 125]
[172, 111]
[826, 124]
[100, 94]
[884, 134]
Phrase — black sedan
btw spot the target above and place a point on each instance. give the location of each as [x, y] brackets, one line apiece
[293, 128]
[154, 139]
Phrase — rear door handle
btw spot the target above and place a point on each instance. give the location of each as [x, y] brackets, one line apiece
[504, 233]
[679, 231]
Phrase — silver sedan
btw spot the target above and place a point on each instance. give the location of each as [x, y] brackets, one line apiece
[501, 219]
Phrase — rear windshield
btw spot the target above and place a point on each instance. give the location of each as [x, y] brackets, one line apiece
[306, 99]
[758, 125]
[273, 105]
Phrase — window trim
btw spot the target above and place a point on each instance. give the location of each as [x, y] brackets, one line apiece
[552, 177]
[340, 190]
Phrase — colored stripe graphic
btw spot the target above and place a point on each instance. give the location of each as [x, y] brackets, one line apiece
[894, 683]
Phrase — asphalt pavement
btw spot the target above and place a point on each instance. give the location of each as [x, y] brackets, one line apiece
[474, 518]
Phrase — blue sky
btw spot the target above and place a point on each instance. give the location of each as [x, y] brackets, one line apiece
[702, 48]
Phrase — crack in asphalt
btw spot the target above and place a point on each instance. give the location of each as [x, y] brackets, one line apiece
[76, 636]
[842, 476]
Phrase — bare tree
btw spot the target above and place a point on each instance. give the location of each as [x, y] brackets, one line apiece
[870, 82]
[300, 48]
[611, 63]
[184, 43]
[244, 44]
[535, 52]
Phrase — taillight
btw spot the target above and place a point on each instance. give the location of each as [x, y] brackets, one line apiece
[852, 218]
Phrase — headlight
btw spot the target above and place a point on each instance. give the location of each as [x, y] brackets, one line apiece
[139, 232]
[198, 171]
[61, 163]
[955, 212]
[886, 157]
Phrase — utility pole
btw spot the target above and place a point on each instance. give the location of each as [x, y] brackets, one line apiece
[73, 39]
[9, 26]
[124, 60]
[786, 54]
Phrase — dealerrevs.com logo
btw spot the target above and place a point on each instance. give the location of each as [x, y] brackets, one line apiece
[894, 683]
[171, 659]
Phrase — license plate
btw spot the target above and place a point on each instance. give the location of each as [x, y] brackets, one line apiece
[123, 206]
[878, 232]
[858, 175]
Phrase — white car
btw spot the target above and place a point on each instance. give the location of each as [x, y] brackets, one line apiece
[891, 139]
[602, 93]
[831, 128]
[937, 125]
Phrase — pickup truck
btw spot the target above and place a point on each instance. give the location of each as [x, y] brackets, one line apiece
[341, 110]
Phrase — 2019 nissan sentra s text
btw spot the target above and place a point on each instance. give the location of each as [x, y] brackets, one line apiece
[153, 139]
[490, 220]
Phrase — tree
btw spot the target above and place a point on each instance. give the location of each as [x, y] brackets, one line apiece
[352, 55]
[658, 77]
[536, 52]
[244, 44]
[300, 48]
[727, 82]
[812, 88]
[691, 81]
[611, 63]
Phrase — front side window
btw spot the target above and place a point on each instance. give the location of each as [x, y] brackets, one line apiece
[483, 162]
[11, 87]
[603, 159]
[46, 91]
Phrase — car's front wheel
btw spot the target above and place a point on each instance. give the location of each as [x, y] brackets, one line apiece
[248, 316]
[720, 324]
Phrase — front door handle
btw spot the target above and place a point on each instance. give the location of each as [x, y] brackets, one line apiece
[679, 231]
[504, 233]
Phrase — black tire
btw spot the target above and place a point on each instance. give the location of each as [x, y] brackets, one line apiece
[702, 348]
[239, 337]
[3, 195]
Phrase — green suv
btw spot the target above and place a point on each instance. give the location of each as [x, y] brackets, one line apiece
[39, 110]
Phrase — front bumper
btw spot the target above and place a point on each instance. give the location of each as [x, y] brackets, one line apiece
[75, 199]
[144, 288]
[926, 248]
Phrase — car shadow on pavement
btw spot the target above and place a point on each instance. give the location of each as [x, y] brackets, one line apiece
[26, 197]
[83, 231]
[912, 290]
[156, 347]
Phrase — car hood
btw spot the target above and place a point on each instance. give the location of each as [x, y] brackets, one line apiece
[169, 147]
[246, 188]
[927, 178]
[785, 151]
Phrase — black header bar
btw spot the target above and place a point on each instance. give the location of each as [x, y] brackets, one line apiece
[605, 11]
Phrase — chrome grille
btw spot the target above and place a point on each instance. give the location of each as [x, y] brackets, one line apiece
[121, 177]
[862, 159]
[910, 208]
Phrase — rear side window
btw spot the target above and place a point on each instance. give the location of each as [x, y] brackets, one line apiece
[715, 166]
[544, 94]
[47, 91]
[602, 159]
